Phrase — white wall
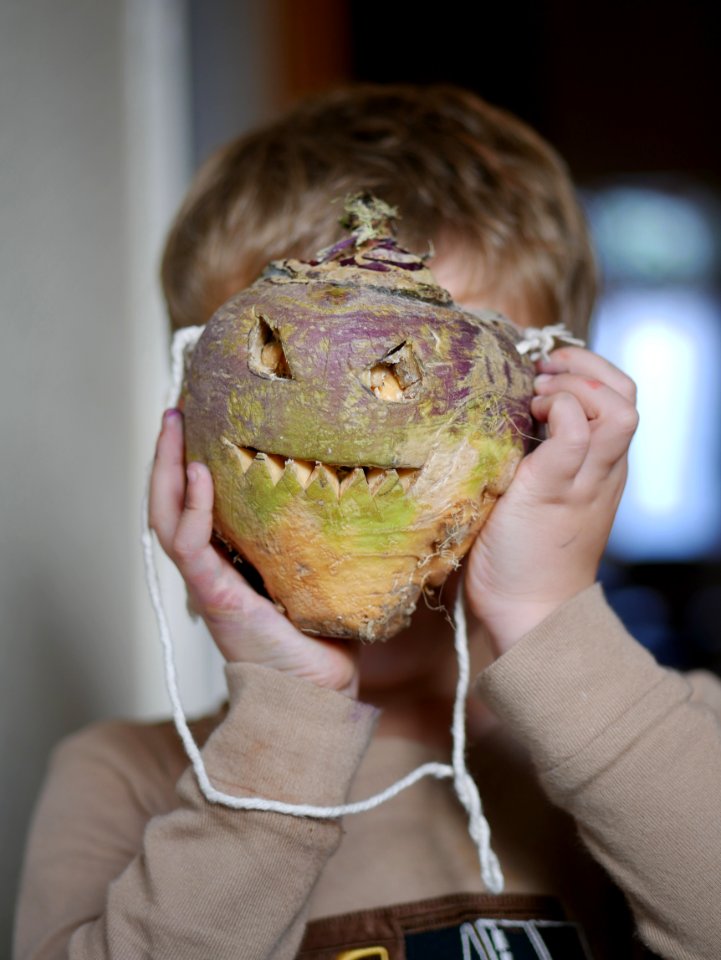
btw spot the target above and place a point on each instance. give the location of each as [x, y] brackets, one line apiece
[94, 156]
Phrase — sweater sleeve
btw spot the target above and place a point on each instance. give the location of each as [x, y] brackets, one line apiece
[633, 752]
[208, 881]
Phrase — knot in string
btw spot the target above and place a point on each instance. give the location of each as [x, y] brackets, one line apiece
[538, 342]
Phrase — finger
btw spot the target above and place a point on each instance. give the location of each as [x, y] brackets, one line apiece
[561, 456]
[191, 548]
[216, 588]
[613, 418]
[167, 480]
[585, 363]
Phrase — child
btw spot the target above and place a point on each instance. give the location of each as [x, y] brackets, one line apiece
[573, 728]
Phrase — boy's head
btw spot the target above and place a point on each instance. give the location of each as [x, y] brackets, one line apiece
[491, 196]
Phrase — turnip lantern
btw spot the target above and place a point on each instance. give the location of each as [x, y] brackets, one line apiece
[358, 425]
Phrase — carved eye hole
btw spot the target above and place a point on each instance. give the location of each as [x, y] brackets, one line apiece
[397, 376]
[266, 356]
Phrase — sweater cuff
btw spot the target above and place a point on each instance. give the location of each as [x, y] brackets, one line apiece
[286, 739]
[574, 677]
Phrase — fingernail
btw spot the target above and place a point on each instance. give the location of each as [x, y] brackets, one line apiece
[542, 378]
[171, 414]
[192, 472]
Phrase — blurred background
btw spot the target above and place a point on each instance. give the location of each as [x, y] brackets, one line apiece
[105, 111]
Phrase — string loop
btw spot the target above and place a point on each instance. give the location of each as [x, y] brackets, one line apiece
[465, 787]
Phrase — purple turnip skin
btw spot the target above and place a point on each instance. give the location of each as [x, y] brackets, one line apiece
[359, 427]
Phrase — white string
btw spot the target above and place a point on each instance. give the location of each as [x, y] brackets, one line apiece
[464, 783]
[466, 789]
[184, 341]
[538, 342]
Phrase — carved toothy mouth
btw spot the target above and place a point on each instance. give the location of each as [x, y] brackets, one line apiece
[337, 477]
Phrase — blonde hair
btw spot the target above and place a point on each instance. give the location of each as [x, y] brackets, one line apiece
[463, 174]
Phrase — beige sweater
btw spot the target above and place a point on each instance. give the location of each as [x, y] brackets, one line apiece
[595, 740]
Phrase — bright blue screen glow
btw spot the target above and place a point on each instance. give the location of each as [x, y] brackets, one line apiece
[669, 341]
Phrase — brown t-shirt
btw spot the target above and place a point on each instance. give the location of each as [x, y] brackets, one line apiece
[602, 786]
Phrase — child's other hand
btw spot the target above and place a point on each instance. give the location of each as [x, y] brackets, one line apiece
[544, 539]
[245, 626]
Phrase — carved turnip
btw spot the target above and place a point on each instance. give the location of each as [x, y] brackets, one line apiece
[358, 425]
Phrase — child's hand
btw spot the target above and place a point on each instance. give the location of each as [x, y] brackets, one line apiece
[544, 539]
[245, 626]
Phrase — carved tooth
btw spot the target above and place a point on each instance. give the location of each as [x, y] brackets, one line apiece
[243, 455]
[382, 482]
[375, 478]
[274, 464]
[326, 477]
[407, 477]
[354, 477]
[303, 470]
